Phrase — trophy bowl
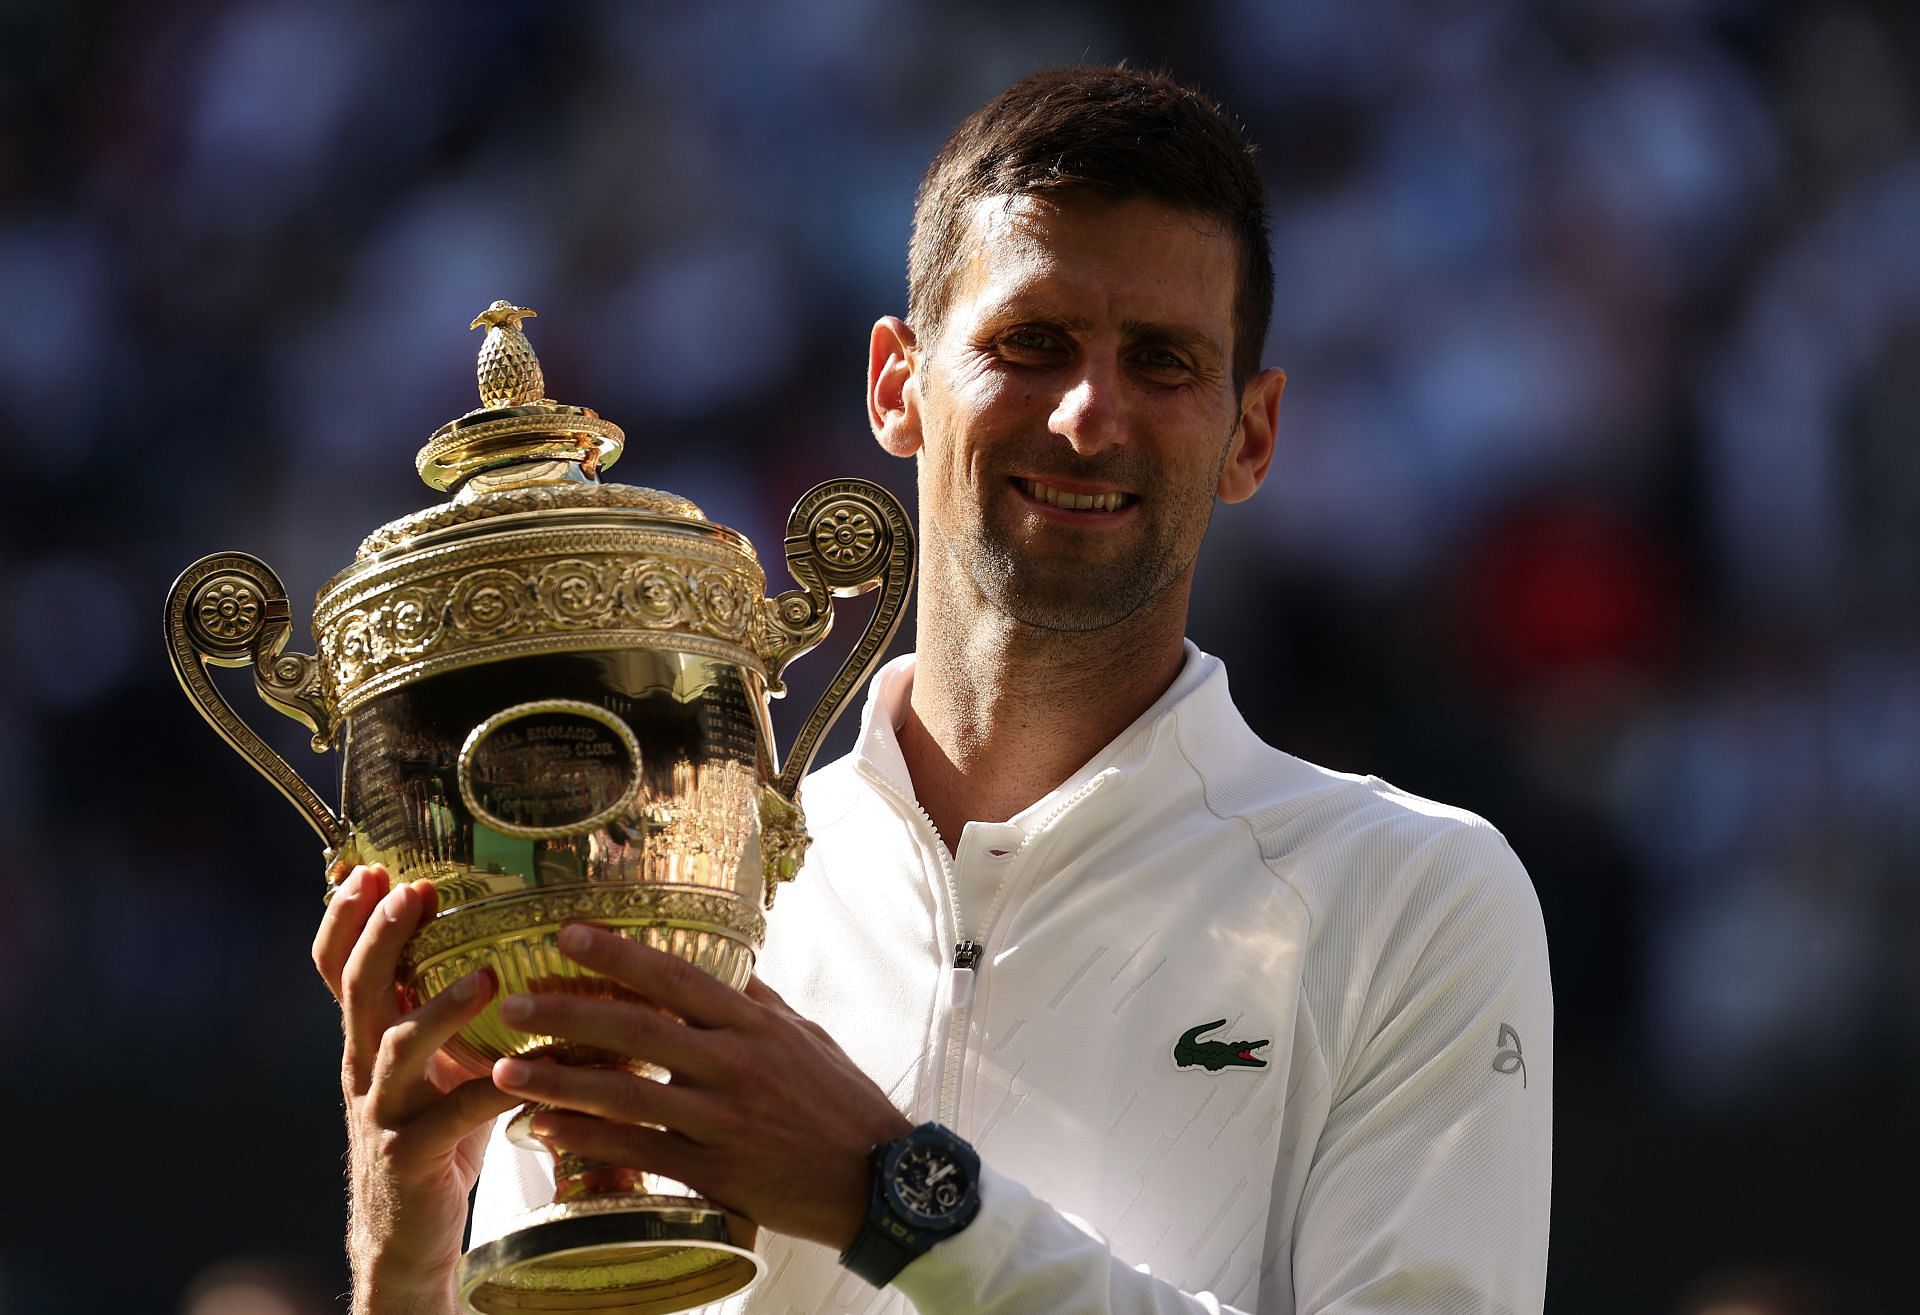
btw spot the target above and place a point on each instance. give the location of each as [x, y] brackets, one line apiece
[549, 696]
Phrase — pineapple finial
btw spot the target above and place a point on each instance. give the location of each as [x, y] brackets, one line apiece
[509, 372]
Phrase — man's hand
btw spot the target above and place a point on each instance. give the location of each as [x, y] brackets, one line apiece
[764, 1114]
[416, 1121]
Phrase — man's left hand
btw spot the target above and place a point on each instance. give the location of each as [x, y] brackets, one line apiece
[764, 1113]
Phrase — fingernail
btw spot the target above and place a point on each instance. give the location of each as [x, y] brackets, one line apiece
[540, 1126]
[467, 987]
[395, 903]
[574, 938]
[350, 887]
[516, 1008]
[512, 1073]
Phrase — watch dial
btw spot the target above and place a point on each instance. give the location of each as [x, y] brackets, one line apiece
[927, 1181]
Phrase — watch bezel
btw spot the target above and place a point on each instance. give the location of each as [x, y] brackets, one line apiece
[942, 1151]
[895, 1232]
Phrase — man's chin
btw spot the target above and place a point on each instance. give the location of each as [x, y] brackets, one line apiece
[1067, 606]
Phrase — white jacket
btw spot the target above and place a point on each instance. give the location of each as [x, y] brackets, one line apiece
[1381, 1140]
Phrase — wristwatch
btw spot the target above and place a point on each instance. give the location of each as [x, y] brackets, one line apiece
[926, 1187]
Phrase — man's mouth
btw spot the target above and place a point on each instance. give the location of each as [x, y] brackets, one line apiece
[1069, 500]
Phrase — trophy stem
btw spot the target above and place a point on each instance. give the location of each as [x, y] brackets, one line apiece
[615, 1239]
[576, 1177]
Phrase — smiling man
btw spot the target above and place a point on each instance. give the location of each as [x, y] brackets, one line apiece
[1090, 1000]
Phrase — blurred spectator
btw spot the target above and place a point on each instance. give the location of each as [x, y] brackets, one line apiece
[1770, 1291]
[256, 1285]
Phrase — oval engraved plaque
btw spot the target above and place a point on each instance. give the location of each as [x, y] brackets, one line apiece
[549, 769]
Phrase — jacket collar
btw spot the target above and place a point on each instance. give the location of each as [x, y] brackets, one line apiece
[1199, 693]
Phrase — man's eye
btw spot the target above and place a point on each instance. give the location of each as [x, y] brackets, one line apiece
[1156, 359]
[1030, 340]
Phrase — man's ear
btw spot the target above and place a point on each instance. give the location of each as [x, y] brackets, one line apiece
[893, 401]
[1253, 441]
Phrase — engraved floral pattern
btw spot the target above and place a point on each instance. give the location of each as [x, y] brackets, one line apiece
[487, 604]
[360, 644]
[490, 604]
[845, 534]
[228, 608]
[414, 619]
[655, 593]
[725, 604]
[523, 916]
[573, 593]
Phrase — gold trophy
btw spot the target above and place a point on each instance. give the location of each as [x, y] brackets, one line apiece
[550, 699]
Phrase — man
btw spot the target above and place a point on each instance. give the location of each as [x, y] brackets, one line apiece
[1226, 1030]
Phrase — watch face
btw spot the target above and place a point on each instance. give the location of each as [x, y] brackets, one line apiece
[928, 1181]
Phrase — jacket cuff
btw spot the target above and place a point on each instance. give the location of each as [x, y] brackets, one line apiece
[955, 1272]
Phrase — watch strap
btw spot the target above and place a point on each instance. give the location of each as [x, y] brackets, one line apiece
[876, 1255]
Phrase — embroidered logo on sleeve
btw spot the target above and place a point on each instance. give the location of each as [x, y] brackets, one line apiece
[1510, 1060]
[1191, 1052]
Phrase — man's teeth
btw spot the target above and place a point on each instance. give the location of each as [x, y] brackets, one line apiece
[1074, 501]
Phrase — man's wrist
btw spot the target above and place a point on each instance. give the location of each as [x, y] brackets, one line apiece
[386, 1284]
[925, 1189]
[377, 1295]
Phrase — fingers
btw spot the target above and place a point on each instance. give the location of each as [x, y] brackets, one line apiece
[399, 1085]
[368, 1002]
[624, 1143]
[430, 1136]
[343, 921]
[609, 1093]
[760, 993]
[673, 982]
[625, 1027]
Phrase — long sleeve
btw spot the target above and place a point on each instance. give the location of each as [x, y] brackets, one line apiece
[1021, 1257]
[1430, 1185]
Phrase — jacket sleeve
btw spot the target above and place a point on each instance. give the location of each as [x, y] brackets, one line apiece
[1429, 1186]
[1020, 1256]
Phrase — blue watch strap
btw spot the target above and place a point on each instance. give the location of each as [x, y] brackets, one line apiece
[877, 1257]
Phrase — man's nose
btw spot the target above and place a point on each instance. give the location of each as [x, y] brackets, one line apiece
[1090, 413]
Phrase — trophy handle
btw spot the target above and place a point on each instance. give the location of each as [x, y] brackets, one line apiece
[230, 610]
[845, 536]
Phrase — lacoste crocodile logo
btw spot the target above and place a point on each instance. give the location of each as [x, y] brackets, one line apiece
[1190, 1051]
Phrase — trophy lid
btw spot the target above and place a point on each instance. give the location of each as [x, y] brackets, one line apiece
[516, 423]
[519, 450]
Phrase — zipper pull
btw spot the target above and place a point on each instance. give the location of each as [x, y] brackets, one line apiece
[960, 976]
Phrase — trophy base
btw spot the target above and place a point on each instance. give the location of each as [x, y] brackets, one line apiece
[643, 1255]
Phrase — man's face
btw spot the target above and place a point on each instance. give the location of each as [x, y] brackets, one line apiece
[1076, 408]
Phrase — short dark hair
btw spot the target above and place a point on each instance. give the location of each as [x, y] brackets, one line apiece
[1117, 133]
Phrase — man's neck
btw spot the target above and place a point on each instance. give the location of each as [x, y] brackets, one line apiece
[1002, 713]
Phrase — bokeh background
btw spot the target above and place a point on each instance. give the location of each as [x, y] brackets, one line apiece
[1597, 510]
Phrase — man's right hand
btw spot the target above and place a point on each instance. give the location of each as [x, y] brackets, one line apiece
[417, 1121]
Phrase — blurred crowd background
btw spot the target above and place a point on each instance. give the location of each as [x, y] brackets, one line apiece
[1597, 510]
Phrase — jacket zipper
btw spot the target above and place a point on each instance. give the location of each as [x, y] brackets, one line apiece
[965, 953]
[967, 950]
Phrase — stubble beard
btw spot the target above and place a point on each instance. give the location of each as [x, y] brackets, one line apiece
[1076, 594]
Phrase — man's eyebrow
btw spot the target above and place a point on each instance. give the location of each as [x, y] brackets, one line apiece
[1016, 311]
